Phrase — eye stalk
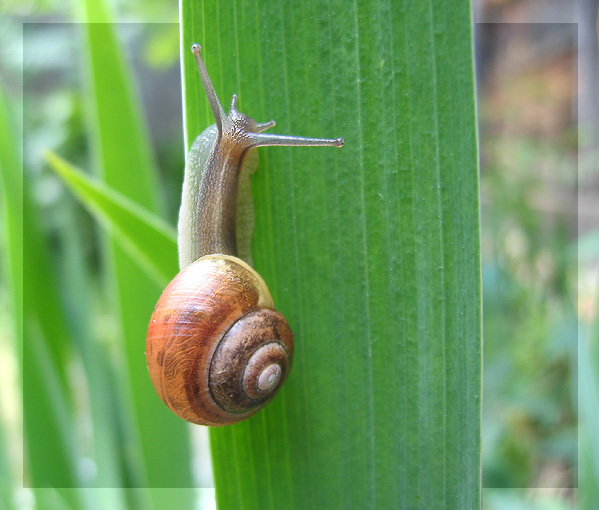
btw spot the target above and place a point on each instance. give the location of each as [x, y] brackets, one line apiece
[253, 132]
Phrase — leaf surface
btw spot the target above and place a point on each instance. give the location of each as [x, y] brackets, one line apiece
[370, 251]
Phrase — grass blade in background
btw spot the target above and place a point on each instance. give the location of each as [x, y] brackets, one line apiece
[11, 334]
[125, 163]
[47, 427]
[11, 176]
[146, 238]
[370, 251]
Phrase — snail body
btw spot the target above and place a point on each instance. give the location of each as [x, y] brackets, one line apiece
[217, 351]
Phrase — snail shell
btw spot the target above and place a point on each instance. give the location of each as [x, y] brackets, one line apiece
[217, 351]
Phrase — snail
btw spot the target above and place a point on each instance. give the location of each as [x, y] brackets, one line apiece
[217, 350]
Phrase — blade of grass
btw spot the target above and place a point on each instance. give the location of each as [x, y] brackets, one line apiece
[146, 237]
[370, 251]
[11, 176]
[79, 291]
[11, 221]
[47, 419]
[53, 321]
[42, 346]
[125, 163]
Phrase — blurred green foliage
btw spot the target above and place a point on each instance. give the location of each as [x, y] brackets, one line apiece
[530, 324]
[81, 434]
[529, 241]
[529, 259]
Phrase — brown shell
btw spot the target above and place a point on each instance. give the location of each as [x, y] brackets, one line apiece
[216, 350]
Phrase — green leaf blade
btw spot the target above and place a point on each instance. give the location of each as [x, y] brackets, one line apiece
[150, 241]
[370, 251]
[40, 332]
[126, 164]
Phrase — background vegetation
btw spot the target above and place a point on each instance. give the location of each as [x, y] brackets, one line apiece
[531, 252]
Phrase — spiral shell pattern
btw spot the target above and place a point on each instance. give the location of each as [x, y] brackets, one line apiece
[217, 351]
